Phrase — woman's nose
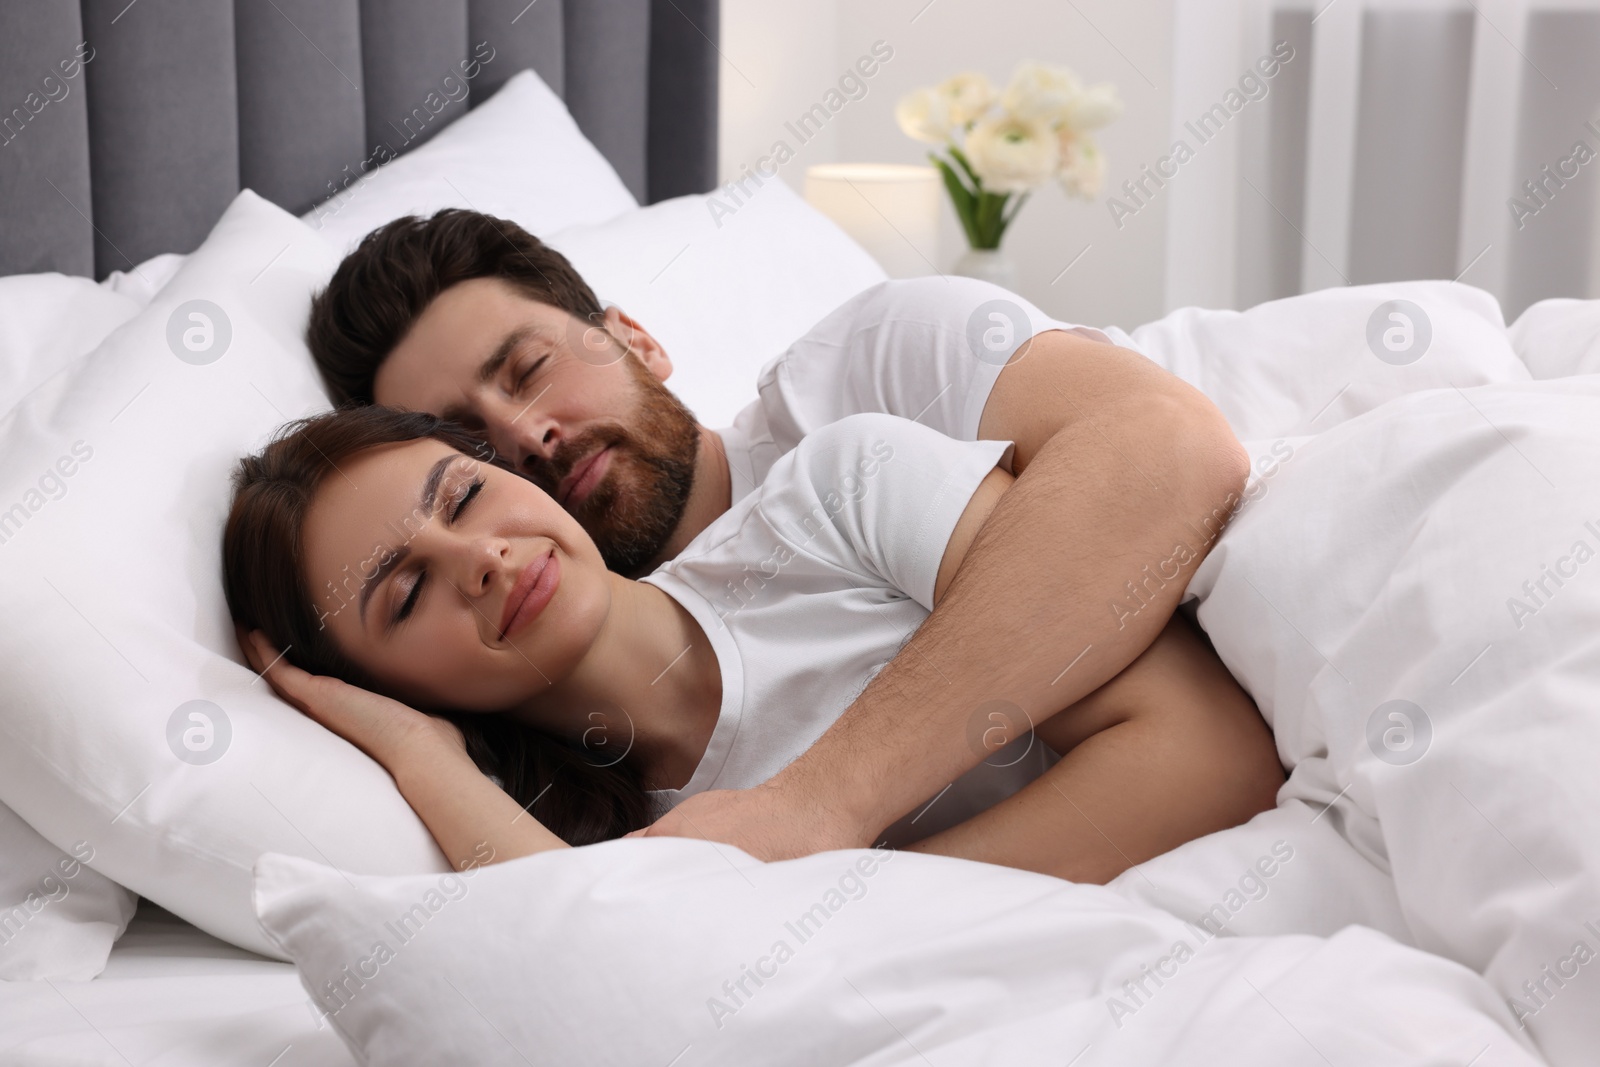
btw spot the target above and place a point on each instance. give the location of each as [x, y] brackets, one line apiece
[484, 559]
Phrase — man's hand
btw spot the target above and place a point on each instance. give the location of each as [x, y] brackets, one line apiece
[763, 821]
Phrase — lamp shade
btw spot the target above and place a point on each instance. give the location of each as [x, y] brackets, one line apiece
[891, 210]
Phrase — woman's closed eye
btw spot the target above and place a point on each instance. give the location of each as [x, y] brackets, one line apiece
[410, 602]
[460, 505]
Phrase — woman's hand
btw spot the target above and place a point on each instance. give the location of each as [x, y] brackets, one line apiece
[469, 816]
[384, 729]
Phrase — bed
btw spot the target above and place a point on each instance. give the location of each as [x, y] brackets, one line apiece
[169, 994]
[1416, 463]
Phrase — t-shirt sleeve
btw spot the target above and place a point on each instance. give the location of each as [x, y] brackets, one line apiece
[879, 496]
[926, 349]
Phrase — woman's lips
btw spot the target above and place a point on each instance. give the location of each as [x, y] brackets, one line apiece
[582, 479]
[533, 589]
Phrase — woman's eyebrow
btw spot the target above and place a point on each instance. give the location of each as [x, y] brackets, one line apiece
[430, 484]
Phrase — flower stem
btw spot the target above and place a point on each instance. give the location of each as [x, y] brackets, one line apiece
[990, 224]
[962, 197]
[982, 213]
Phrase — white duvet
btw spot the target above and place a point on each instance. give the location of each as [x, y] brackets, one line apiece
[1414, 602]
[1415, 606]
[683, 952]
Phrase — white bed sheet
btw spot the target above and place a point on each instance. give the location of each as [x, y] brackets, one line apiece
[171, 996]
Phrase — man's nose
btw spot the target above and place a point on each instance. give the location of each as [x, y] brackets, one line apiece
[530, 437]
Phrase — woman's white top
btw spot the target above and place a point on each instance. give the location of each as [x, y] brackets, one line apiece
[808, 585]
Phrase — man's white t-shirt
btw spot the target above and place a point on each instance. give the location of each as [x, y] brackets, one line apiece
[926, 349]
[812, 582]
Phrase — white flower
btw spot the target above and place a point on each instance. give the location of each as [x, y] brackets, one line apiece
[1093, 108]
[1041, 93]
[968, 96]
[924, 116]
[1012, 155]
[1083, 167]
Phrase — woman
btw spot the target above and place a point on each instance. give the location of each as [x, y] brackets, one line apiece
[454, 586]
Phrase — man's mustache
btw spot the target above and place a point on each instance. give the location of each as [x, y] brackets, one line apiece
[547, 474]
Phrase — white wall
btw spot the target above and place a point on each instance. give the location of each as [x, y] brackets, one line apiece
[782, 56]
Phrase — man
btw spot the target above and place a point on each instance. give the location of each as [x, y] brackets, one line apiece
[1125, 477]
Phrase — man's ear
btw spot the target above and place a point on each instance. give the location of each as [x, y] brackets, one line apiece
[638, 340]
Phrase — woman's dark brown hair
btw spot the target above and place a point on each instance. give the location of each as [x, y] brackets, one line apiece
[382, 287]
[262, 548]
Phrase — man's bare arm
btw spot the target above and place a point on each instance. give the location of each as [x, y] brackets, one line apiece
[1121, 465]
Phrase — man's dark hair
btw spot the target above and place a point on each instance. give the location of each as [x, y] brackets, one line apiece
[382, 287]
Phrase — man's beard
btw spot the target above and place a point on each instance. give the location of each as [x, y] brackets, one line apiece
[637, 506]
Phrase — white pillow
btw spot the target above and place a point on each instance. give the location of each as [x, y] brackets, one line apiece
[1304, 364]
[1558, 338]
[723, 293]
[140, 284]
[116, 620]
[46, 322]
[58, 918]
[678, 951]
[519, 155]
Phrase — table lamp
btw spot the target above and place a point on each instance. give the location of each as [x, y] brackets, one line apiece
[891, 210]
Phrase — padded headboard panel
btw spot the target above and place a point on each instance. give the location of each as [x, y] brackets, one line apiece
[182, 103]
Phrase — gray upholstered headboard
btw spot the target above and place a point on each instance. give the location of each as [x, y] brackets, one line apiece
[184, 102]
